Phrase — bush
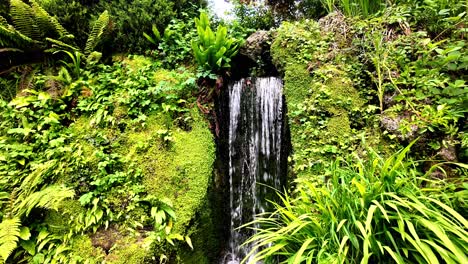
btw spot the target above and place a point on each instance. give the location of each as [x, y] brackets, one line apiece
[213, 51]
[173, 45]
[368, 211]
[129, 18]
[132, 18]
[73, 15]
[254, 17]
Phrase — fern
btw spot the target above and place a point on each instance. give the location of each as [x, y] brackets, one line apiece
[48, 198]
[97, 31]
[3, 21]
[10, 37]
[59, 45]
[23, 19]
[47, 24]
[9, 236]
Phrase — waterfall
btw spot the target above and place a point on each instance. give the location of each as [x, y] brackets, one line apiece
[255, 135]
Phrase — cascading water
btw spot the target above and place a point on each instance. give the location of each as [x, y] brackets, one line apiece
[255, 155]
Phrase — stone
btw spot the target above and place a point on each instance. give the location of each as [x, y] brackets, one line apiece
[256, 45]
[448, 152]
[392, 125]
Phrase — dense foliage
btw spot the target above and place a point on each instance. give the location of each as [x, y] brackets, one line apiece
[396, 76]
[130, 19]
[213, 51]
[61, 132]
[370, 210]
[105, 157]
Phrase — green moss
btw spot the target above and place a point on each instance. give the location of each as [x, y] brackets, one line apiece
[297, 84]
[180, 172]
[338, 127]
[320, 96]
[128, 251]
[55, 220]
[166, 76]
[339, 88]
[82, 249]
[136, 62]
[298, 42]
[205, 234]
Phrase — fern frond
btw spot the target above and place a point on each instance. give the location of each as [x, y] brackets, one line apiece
[23, 19]
[48, 25]
[3, 21]
[48, 198]
[32, 182]
[9, 236]
[10, 37]
[96, 33]
[59, 45]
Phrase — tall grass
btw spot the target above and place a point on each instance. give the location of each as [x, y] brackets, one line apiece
[370, 211]
[354, 7]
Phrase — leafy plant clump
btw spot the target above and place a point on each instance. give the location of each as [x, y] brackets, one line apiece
[213, 51]
[69, 159]
[367, 210]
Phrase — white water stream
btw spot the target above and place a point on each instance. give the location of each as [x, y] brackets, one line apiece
[255, 135]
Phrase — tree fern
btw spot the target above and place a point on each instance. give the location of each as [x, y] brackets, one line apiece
[10, 37]
[9, 236]
[97, 31]
[48, 25]
[59, 45]
[3, 21]
[23, 19]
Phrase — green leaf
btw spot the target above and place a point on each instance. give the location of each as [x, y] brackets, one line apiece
[189, 242]
[298, 257]
[24, 234]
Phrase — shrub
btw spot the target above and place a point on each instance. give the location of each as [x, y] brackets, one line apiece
[254, 17]
[130, 19]
[173, 45]
[370, 211]
[213, 51]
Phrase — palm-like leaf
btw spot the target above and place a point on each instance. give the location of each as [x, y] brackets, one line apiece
[48, 25]
[213, 51]
[97, 31]
[10, 37]
[3, 21]
[23, 19]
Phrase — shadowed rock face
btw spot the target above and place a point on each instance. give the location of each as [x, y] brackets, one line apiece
[256, 45]
[254, 57]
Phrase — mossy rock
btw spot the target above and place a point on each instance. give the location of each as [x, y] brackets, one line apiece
[82, 249]
[297, 85]
[180, 170]
[297, 43]
[319, 107]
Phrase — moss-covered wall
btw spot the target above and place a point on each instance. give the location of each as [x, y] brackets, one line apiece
[177, 169]
[323, 103]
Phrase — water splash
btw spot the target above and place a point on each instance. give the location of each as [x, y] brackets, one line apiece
[255, 134]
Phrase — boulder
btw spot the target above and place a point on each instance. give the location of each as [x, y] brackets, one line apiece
[257, 45]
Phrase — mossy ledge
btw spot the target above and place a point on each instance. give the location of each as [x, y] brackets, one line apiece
[322, 99]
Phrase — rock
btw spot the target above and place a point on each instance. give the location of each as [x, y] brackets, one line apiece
[256, 45]
[448, 152]
[254, 58]
[392, 125]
